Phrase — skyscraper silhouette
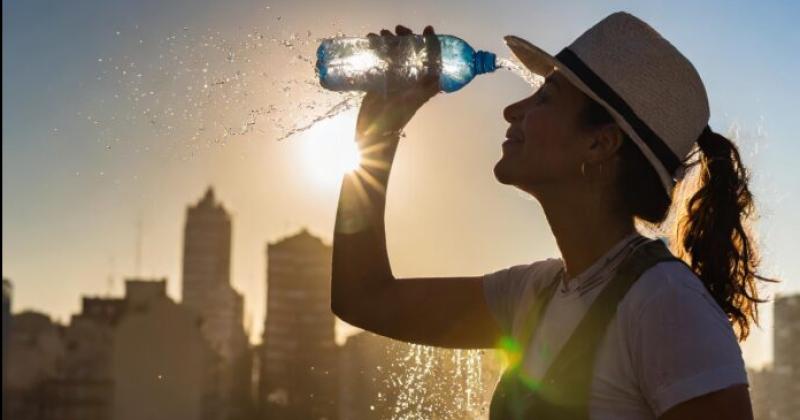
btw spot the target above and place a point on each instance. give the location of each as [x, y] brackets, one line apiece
[786, 365]
[299, 359]
[207, 293]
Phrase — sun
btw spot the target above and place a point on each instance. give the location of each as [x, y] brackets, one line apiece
[331, 150]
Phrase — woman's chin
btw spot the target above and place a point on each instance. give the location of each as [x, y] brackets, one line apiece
[502, 173]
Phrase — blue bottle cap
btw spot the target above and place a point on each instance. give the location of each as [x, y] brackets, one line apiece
[485, 62]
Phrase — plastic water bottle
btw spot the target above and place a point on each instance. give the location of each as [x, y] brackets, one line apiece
[362, 64]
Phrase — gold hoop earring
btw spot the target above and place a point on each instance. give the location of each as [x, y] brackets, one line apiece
[583, 169]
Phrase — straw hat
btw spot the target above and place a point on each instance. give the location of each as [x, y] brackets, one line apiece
[652, 91]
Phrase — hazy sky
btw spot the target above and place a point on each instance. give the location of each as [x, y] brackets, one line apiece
[115, 112]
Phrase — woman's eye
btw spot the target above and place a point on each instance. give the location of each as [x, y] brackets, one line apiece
[539, 97]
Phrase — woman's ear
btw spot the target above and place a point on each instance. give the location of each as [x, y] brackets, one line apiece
[605, 142]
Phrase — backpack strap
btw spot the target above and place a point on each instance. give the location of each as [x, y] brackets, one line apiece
[563, 393]
[567, 381]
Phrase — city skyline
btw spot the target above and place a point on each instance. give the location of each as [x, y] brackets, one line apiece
[79, 172]
[208, 202]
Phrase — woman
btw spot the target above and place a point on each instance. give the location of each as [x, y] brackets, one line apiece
[617, 328]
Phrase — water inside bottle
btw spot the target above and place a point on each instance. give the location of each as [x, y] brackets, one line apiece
[353, 99]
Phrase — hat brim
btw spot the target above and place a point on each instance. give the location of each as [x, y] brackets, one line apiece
[543, 64]
[534, 58]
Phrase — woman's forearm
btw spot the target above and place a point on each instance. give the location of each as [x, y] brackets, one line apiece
[360, 259]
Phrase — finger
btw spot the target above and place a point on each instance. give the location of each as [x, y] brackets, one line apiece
[402, 30]
[434, 53]
[374, 40]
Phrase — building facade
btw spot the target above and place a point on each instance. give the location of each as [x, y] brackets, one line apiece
[163, 367]
[785, 386]
[208, 293]
[36, 349]
[774, 388]
[84, 386]
[298, 367]
[7, 293]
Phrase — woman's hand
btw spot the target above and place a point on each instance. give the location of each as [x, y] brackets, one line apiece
[384, 114]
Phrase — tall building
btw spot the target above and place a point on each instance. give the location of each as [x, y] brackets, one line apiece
[298, 364]
[208, 293]
[7, 291]
[786, 366]
[774, 389]
[207, 288]
[787, 333]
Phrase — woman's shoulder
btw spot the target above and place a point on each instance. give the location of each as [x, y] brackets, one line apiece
[679, 341]
[671, 287]
[506, 291]
[537, 274]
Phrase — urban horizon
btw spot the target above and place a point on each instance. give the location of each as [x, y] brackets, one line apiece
[255, 330]
[251, 325]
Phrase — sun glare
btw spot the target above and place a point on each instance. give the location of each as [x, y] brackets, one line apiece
[331, 150]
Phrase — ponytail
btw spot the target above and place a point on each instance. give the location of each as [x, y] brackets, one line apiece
[714, 235]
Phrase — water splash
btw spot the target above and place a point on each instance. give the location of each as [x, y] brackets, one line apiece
[423, 393]
[515, 67]
[349, 102]
[197, 88]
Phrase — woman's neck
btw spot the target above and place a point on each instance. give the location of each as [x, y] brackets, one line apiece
[585, 227]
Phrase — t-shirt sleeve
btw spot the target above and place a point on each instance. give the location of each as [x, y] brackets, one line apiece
[682, 344]
[503, 291]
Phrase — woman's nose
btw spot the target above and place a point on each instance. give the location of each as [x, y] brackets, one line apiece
[512, 112]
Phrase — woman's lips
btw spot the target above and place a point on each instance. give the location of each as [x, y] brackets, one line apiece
[512, 141]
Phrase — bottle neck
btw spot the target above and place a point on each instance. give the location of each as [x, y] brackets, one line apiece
[485, 62]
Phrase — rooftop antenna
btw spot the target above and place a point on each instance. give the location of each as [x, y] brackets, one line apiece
[110, 278]
[138, 261]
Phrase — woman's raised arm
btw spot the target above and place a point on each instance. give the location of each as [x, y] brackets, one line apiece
[445, 312]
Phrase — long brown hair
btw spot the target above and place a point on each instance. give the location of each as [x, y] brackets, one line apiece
[711, 233]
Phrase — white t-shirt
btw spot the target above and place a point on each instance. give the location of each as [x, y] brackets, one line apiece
[669, 341]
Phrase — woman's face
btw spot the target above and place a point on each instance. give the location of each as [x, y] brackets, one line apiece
[545, 142]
